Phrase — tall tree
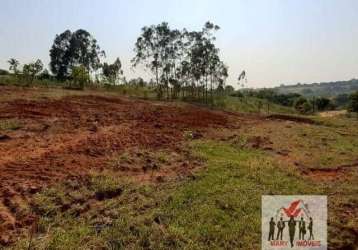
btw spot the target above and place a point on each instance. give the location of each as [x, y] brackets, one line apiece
[154, 48]
[186, 61]
[111, 72]
[74, 49]
[204, 58]
[60, 55]
[14, 64]
[242, 77]
[321, 103]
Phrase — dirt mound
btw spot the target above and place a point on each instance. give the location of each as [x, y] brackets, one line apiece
[329, 173]
[65, 138]
[259, 142]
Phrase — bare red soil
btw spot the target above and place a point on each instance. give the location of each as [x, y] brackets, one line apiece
[66, 138]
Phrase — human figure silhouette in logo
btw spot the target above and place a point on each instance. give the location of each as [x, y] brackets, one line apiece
[310, 228]
[302, 229]
[272, 229]
[292, 229]
[280, 227]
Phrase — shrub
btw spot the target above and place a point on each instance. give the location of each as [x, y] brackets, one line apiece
[10, 124]
[31, 70]
[341, 100]
[79, 77]
[303, 106]
[353, 102]
[45, 75]
[323, 103]
[3, 72]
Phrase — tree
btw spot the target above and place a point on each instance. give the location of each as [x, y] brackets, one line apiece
[353, 102]
[220, 74]
[79, 76]
[60, 55]
[74, 49]
[111, 72]
[322, 103]
[13, 65]
[3, 72]
[303, 106]
[341, 100]
[44, 75]
[242, 77]
[181, 60]
[153, 50]
[229, 89]
[204, 61]
[32, 69]
[141, 82]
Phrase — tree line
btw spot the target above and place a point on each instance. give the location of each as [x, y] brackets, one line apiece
[76, 58]
[183, 63]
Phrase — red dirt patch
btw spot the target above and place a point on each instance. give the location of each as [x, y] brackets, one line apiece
[158, 166]
[329, 173]
[65, 138]
[259, 142]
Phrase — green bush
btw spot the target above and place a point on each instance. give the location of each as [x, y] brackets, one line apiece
[3, 72]
[31, 70]
[303, 106]
[323, 103]
[79, 77]
[353, 102]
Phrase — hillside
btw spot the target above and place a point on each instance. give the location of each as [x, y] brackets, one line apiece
[249, 104]
[87, 169]
[146, 125]
[325, 89]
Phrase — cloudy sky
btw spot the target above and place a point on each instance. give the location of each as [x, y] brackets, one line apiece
[275, 41]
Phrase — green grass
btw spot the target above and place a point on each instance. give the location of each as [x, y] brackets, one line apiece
[216, 208]
[219, 208]
[9, 124]
[336, 137]
[56, 89]
[23, 82]
[250, 105]
[133, 91]
[56, 86]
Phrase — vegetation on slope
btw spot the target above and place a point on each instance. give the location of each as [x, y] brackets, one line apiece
[250, 105]
[210, 210]
[217, 208]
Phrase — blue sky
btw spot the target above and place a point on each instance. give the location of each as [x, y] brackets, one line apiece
[275, 41]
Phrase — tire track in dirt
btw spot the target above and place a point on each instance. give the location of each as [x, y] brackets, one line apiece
[65, 138]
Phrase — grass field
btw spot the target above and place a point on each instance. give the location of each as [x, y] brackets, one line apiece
[251, 105]
[122, 173]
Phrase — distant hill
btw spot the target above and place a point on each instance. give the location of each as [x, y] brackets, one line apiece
[326, 89]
